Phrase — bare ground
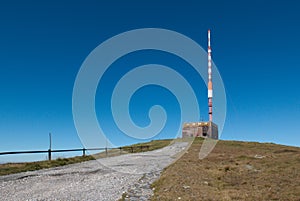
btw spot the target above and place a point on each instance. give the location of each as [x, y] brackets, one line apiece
[103, 179]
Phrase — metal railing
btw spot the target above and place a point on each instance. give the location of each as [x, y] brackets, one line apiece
[83, 150]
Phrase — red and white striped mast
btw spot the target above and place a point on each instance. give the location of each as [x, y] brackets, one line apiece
[210, 87]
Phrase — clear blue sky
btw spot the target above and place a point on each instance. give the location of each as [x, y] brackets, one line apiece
[43, 44]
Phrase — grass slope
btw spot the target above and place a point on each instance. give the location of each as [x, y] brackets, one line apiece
[233, 171]
[11, 168]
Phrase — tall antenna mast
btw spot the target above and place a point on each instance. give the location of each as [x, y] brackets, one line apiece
[210, 87]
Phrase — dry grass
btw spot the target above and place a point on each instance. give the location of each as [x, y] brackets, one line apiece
[11, 168]
[135, 148]
[233, 171]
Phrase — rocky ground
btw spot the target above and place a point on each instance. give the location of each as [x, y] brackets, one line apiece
[103, 179]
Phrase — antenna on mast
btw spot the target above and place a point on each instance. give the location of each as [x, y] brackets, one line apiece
[210, 87]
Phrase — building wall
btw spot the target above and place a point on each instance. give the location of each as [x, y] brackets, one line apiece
[200, 129]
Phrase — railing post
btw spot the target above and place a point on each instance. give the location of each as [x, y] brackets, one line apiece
[131, 149]
[83, 152]
[120, 150]
[106, 151]
[49, 154]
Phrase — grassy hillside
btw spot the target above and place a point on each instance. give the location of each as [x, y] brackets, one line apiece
[11, 168]
[233, 171]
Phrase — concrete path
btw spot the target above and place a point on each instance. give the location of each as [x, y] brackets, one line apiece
[102, 179]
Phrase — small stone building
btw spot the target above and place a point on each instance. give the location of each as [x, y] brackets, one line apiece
[200, 129]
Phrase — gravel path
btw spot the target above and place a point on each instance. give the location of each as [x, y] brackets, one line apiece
[102, 179]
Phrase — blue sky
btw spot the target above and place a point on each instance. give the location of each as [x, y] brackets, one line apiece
[43, 44]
